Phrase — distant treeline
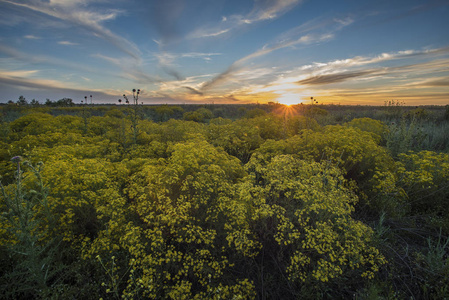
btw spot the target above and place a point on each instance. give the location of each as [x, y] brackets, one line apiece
[326, 113]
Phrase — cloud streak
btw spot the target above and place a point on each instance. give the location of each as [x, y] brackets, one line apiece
[440, 82]
[238, 65]
[334, 78]
[67, 43]
[194, 91]
[263, 10]
[20, 79]
[32, 37]
[166, 61]
[302, 35]
[130, 69]
[43, 59]
[74, 12]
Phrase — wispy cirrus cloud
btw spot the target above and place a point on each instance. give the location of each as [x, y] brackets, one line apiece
[262, 10]
[17, 74]
[205, 56]
[67, 43]
[31, 37]
[270, 9]
[193, 90]
[16, 54]
[163, 19]
[130, 69]
[69, 3]
[376, 67]
[167, 61]
[164, 16]
[436, 82]
[334, 78]
[183, 89]
[24, 79]
[306, 34]
[360, 61]
[77, 12]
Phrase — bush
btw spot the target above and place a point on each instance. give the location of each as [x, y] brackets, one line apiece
[378, 129]
[189, 230]
[301, 213]
[201, 115]
[356, 152]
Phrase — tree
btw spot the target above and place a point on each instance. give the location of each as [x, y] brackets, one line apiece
[34, 102]
[65, 102]
[22, 101]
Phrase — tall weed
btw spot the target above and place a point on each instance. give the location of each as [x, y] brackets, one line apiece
[32, 262]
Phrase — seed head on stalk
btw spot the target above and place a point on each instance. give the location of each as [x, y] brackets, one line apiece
[17, 159]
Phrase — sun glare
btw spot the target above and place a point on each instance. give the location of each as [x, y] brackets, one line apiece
[289, 99]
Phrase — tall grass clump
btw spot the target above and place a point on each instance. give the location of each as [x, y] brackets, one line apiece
[30, 264]
[417, 134]
[404, 136]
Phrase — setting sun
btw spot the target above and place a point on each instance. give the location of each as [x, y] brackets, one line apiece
[289, 99]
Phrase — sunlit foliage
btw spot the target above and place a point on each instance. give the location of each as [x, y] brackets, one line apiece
[302, 210]
[111, 204]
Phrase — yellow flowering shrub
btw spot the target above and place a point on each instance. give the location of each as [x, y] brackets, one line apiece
[226, 210]
[174, 131]
[356, 152]
[297, 123]
[269, 126]
[378, 129]
[306, 207]
[187, 226]
[84, 194]
[239, 138]
[418, 184]
[37, 123]
[31, 124]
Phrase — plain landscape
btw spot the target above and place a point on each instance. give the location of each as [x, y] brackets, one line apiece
[225, 149]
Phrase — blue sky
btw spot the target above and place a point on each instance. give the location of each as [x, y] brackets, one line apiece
[226, 51]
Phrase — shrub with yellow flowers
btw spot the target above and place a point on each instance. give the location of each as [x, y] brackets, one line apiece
[188, 230]
[84, 195]
[418, 184]
[239, 138]
[355, 151]
[377, 128]
[301, 211]
[219, 210]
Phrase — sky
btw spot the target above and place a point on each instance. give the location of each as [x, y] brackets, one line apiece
[348, 52]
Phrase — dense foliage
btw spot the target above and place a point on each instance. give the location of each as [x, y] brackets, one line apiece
[126, 203]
